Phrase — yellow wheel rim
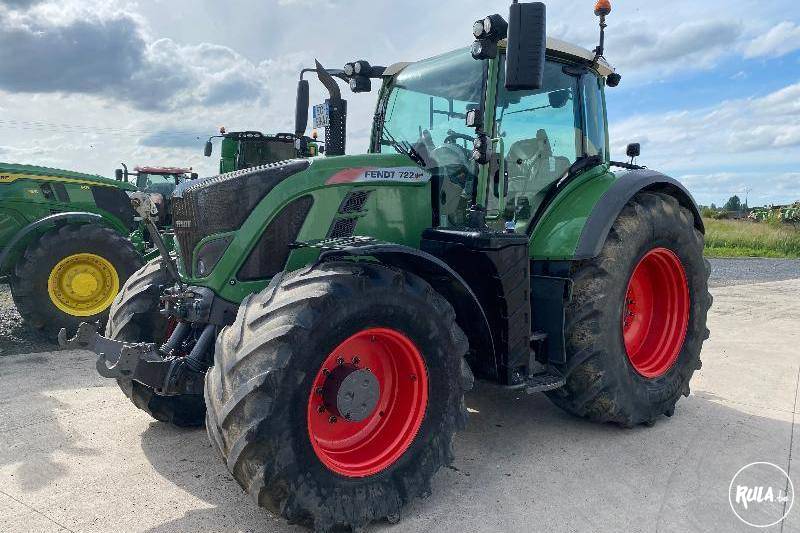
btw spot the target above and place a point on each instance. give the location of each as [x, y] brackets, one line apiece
[83, 284]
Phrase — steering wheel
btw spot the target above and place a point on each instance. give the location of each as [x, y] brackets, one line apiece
[453, 136]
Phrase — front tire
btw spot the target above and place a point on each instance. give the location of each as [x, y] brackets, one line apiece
[637, 320]
[135, 317]
[266, 396]
[72, 275]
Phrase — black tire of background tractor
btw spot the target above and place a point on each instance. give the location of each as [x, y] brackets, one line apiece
[602, 385]
[134, 317]
[29, 284]
[257, 393]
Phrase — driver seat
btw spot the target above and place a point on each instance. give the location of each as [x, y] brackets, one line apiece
[525, 160]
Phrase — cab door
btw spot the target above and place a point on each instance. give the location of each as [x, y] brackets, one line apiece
[538, 136]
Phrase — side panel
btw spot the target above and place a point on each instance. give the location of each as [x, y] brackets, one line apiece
[396, 210]
[11, 221]
[558, 231]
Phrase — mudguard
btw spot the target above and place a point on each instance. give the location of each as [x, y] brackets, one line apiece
[608, 207]
[470, 316]
[22, 235]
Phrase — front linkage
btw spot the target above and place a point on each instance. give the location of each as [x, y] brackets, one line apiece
[146, 363]
[178, 366]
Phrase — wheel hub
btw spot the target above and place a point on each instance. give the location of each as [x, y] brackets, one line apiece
[351, 393]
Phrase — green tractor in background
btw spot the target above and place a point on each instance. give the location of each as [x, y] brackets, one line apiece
[325, 316]
[248, 149]
[64, 245]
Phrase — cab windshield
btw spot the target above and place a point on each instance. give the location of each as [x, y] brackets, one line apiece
[163, 184]
[427, 104]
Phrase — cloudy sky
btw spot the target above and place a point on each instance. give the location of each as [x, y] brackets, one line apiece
[711, 89]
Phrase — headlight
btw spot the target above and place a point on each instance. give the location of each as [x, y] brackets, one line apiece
[209, 254]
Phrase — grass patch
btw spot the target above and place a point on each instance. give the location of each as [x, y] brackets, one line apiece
[737, 238]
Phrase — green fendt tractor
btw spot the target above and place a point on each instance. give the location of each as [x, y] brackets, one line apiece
[64, 244]
[248, 149]
[325, 316]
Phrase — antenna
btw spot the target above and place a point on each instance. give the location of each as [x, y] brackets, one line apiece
[602, 9]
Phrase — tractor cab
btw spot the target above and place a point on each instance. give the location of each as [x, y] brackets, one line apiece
[158, 182]
[248, 149]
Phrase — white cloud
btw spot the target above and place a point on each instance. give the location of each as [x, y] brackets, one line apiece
[732, 127]
[778, 41]
[109, 54]
[741, 134]
[695, 44]
[199, 65]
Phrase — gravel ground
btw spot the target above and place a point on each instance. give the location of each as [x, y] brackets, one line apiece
[15, 338]
[726, 272]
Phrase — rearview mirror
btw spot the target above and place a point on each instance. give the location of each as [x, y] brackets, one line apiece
[634, 150]
[527, 43]
[119, 175]
[301, 109]
[209, 149]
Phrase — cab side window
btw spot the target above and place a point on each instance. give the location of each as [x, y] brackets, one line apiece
[542, 137]
[596, 138]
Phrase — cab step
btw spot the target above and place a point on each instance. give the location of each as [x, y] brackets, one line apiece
[544, 382]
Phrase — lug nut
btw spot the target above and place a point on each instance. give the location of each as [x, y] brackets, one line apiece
[319, 390]
[413, 377]
[325, 372]
[340, 361]
[321, 409]
[356, 360]
[332, 419]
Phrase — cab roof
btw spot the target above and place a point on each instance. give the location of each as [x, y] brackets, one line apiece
[554, 46]
[162, 170]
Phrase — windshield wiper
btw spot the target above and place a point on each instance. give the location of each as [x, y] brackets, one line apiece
[404, 148]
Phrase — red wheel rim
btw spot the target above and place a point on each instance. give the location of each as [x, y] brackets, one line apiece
[368, 446]
[655, 316]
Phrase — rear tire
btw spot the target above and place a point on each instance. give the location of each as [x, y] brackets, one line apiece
[134, 317]
[604, 382]
[259, 394]
[38, 297]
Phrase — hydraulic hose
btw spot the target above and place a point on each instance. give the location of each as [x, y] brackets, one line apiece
[196, 360]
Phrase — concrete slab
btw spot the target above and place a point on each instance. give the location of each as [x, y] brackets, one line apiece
[76, 456]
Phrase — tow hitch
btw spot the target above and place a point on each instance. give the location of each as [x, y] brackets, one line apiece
[143, 362]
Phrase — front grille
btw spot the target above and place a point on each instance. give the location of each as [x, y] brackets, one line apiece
[269, 255]
[221, 204]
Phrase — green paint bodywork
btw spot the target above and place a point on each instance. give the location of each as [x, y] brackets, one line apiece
[395, 212]
[556, 235]
[10, 171]
[27, 195]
